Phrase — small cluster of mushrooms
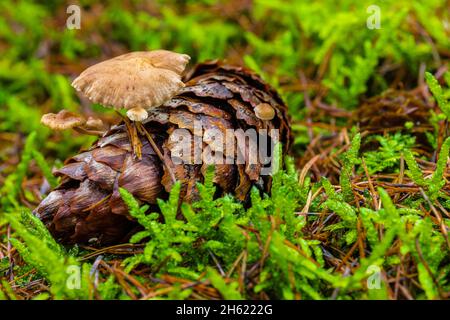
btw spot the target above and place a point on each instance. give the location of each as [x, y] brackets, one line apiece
[137, 81]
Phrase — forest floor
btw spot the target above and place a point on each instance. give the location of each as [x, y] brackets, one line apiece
[361, 209]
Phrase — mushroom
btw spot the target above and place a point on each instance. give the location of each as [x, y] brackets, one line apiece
[136, 81]
[264, 111]
[68, 120]
[62, 120]
[94, 124]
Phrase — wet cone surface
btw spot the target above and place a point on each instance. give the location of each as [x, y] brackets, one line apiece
[87, 208]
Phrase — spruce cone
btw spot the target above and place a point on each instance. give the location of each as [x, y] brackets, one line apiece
[87, 208]
[390, 111]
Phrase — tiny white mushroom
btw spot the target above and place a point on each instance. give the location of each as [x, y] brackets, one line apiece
[137, 114]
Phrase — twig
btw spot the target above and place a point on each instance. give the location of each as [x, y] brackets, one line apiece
[156, 149]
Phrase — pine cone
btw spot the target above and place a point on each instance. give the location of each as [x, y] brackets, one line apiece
[87, 208]
[390, 111]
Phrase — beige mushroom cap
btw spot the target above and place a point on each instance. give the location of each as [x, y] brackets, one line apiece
[62, 120]
[265, 111]
[142, 79]
[93, 123]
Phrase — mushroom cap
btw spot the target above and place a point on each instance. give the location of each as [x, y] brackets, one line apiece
[143, 79]
[94, 123]
[62, 120]
[265, 111]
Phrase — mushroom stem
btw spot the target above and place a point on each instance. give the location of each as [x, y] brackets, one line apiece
[144, 131]
[134, 138]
